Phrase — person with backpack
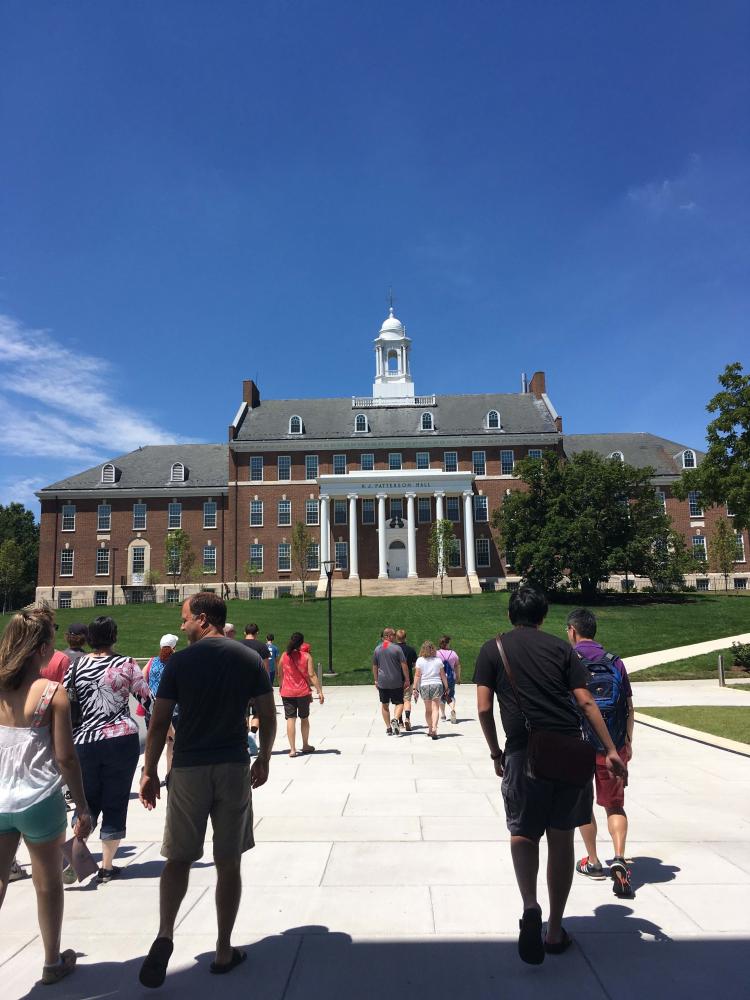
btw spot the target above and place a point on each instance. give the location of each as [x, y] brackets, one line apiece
[452, 667]
[609, 685]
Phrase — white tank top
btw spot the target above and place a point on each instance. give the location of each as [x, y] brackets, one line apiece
[28, 769]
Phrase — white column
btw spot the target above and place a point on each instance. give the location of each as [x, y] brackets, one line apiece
[382, 558]
[325, 535]
[470, 556]
[411, 536]
[440, 516]
[353, 554]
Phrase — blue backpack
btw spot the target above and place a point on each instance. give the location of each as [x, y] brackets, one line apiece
[606, 688]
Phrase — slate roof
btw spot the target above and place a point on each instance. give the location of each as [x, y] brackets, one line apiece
[206, 466]
[637, 449]
[457, 416]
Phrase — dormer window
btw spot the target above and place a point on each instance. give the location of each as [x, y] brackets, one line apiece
[618, 455]
[688, 459]
[295, 425]
[493, 420]
[427, 423]
[177, 474]
[360, 424]
[108, 473]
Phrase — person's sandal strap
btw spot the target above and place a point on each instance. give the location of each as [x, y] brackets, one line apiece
[221, 969]
[154, 969]
[52, 974]
[558, 947]
[530, 944]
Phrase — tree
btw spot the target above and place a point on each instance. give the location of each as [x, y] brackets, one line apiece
[301, 542]
[17, 524]
[443, 545]
[587, 517]
[668, 561]
[723, 476]
[11, 571]
[722, 549]
[179, 558]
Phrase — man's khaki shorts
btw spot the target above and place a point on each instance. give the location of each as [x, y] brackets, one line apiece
[221, 791]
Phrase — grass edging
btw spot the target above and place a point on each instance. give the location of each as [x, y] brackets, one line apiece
[694, 735]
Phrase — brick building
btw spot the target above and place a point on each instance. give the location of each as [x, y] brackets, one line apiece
[367, 476]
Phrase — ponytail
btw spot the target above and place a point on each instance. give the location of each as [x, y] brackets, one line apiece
[24, 635]
[295, 641]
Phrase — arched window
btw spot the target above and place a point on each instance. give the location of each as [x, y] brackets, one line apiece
[295, 425]
[178, 473]
[493, 420]
[108, 473]
[360, 424]
[392, 361]
[618, 455]
[427, 422]
[688, 459]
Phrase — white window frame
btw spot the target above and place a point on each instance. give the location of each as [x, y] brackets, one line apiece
[481, 506]
[253, 477]
[420, 459]
[333, 464]
[284, 557]
[661, 496]
[399, 504]
[701, 548]
[341, 548]
[479, 462]
[361, 417]
[279, 459]
[395, 461]
[454, 461]
[422, 504]
[174, 562]
[740, 547]
[368, 504]
[69, 518]
[692, 463]
[100, 552]
[208, 569]
[140, 525]
[66, 553]
[370, 465]
[207, 522]
[105, 525]
[618, 455]
[287, 505]
[300, 426]
[740, 583]
[504, 464]
[172, 596]
[489, 424]
[535, 453]
[174, 514]
[427, 419]
[142, 559]
[312, 506]
[313, 556]
[483, 552]
[256, 523]
[309, 459]
[449, 502]
[695, 507]
[177, 473]
[256, 561]
[340, 505]
[455, 560]
[101, 598]
[109, 474]
[65, 598]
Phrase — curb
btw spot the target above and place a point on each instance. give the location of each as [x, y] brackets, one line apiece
[695, 735]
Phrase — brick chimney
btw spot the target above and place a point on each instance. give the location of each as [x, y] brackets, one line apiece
[251, 393]
[538, 384]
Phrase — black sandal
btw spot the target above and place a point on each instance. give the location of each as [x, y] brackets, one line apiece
[530, 944]
[558, 947]
[238, 957]
[154, 969]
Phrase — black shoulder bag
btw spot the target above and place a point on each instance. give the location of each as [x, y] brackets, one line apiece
[75, 705]
[553, 756]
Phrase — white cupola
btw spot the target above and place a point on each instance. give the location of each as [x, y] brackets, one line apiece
[392, 373]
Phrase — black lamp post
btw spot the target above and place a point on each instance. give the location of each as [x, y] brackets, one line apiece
[329, 566]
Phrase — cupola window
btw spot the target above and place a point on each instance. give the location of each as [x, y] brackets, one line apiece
[427, 422]
[108, 473]
[493, 420]
[178, 473]
[688, 459]
[295, 425]
[360, 424]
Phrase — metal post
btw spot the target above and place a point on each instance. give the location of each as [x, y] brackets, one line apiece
[722, 682]
[320, 673]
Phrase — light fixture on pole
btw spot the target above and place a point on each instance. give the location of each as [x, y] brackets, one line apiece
[329, 566]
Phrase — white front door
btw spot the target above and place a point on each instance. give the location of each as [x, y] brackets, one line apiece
[397, 565]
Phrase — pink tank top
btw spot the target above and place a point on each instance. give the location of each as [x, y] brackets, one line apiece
[295, 683]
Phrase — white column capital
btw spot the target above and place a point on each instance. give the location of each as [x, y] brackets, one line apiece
[381, 496]
[468, 493]
[324, 498]
[352, 496]
[410, 496]
[439, 493]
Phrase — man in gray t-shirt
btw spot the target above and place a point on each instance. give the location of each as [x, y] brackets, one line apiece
[391, 677]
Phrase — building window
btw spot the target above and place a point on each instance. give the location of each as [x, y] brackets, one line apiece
[493, 420]
[483, 552]
[424, 510]
[256, 558]
[740, 583]
[313, 556]
[450, 461]
[694, 504]
[423, 459]
[104, 517]
[284, 468]
[342, 555]
[506, 462]
[397, 507]
[174, 515]
[102, 562]
[312, 512]
[661, 496]
[209, 558]
[618, 456]
[688, 459]
[101, 598]
[66, 562]
[256, 469]
[285, 513]
[172, 597]
[139, 516]
[177, 475]
[139, 559]
[311, 466]
[285, 557]
[174, 561]
[427, 423]
[360, 424]
[209, 514]
[69, 517]
[699, 547]
[65, 599]
[479, 463]
[701, 583]
[339, 511]
[453, 509]
[480, 509]
[368, 512]
[256, 513]
[535, 452]
[454, 556]
[339, 465]
[108, 473]
[394, 460]
[295, 425]
[367, 462]
[740, 557]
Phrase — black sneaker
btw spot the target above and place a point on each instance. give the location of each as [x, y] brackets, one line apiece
[388, 731]
[586, 867]
[621, 879]
[107, 874]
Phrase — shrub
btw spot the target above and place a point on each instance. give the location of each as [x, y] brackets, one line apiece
[741, 654]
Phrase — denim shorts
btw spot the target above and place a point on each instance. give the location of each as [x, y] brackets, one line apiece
[39, 823]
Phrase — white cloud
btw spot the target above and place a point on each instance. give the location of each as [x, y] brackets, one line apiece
[21, 490]
[82, 417]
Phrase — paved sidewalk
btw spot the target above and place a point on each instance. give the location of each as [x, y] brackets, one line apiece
[382, 866]
[635, 663]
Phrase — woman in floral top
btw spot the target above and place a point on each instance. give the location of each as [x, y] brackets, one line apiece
[106, 738]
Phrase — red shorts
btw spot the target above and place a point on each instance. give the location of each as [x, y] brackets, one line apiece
[610, 791]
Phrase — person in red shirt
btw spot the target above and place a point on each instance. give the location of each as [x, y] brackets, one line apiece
[57, 666]
[297, 677]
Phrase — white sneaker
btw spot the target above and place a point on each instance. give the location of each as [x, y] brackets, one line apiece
[453, 716]
[394, 727]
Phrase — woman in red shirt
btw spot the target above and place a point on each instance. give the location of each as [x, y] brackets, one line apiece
[297, 673]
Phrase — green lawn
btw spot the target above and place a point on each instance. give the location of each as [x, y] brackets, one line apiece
[695, 668]
[733, 723]
[623, 628]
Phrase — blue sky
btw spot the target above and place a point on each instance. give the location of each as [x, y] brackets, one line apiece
[195, 193]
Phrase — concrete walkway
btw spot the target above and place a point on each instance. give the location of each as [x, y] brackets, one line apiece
[635, 663]
[382, 867]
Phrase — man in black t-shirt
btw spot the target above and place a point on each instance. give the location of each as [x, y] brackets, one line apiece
[252, 642]
[213, 680]
[551, 692]
[410, 655]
